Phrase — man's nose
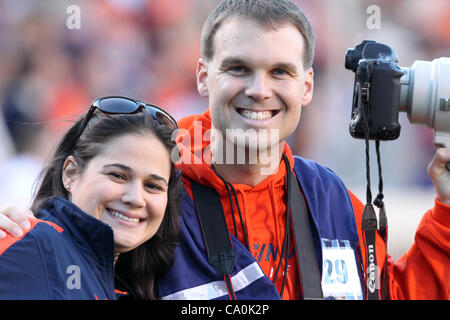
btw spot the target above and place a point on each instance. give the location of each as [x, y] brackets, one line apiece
[259, 87]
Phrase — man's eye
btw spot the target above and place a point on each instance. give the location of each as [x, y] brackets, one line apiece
[280, 72]
[238, 69]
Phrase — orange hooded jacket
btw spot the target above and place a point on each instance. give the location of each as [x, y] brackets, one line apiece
[422, 273]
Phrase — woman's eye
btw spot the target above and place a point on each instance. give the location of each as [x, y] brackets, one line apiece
[117, 176]
[153, 186]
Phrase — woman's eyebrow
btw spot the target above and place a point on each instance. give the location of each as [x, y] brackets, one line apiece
[128, 169]
[121, 166]
[159, 178]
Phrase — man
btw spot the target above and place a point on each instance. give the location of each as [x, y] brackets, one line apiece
[256, 72]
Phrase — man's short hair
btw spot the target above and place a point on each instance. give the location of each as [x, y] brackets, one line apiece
[269, 13]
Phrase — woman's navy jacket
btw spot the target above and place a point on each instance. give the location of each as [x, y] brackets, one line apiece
[66, 254]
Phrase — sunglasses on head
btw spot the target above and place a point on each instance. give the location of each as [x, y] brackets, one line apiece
[124, 105]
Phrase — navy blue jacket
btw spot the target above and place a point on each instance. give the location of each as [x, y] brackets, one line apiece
[66, 254]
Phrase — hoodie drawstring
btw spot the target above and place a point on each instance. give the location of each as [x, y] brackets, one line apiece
[228, 186]
[287, 232]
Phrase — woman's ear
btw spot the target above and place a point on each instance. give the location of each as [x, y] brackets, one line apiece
[69, 173]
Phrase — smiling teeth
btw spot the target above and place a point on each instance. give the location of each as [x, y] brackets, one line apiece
[253, 115]
[121, 216]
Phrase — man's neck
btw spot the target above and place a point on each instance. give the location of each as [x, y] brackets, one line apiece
[251, 173]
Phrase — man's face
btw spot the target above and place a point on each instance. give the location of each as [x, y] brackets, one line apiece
[256, 79]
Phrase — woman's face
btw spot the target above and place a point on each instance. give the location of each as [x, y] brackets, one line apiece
[125, 186]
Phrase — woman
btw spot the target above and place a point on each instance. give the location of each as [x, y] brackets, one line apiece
[107, 206]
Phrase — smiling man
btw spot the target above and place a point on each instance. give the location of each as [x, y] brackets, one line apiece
[248, 90]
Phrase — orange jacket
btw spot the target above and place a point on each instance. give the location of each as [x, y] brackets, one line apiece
[422, 273]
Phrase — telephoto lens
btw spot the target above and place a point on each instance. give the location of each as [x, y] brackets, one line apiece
[425, 97]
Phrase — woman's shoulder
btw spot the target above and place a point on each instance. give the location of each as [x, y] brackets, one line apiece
[40, 230]
[23, 265]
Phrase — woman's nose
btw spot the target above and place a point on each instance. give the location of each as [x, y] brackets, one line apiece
[134, 195]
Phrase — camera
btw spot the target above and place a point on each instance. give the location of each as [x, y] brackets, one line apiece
[382, 89]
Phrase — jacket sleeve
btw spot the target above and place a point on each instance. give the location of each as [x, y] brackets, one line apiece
[22, 269]
[423, 272]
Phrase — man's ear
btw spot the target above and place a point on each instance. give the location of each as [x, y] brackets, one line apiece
[308, 87]
[202, 77]
[69, 173]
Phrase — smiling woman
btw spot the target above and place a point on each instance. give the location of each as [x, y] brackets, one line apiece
[107, 207]
[124, 186]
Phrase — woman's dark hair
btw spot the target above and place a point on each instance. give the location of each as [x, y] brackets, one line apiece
[139, 268]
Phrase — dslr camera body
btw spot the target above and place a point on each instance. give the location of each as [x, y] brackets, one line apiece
[382, 89]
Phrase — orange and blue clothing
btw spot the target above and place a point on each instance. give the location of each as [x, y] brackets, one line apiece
[336, 216]
[66, 254]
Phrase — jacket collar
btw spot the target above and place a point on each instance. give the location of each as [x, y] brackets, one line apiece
[91, 235]
[194, 152]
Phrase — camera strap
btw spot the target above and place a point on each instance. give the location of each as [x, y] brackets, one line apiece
[310, 277]
[219, 248]
[370, 225]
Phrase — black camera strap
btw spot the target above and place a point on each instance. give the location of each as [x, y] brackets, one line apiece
[370, 225]
[304, 242]
[215, 233]
[369, 219]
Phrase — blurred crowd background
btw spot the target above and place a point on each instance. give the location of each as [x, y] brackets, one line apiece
[148, 49]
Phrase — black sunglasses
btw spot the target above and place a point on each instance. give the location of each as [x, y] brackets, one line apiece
[124, 105]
